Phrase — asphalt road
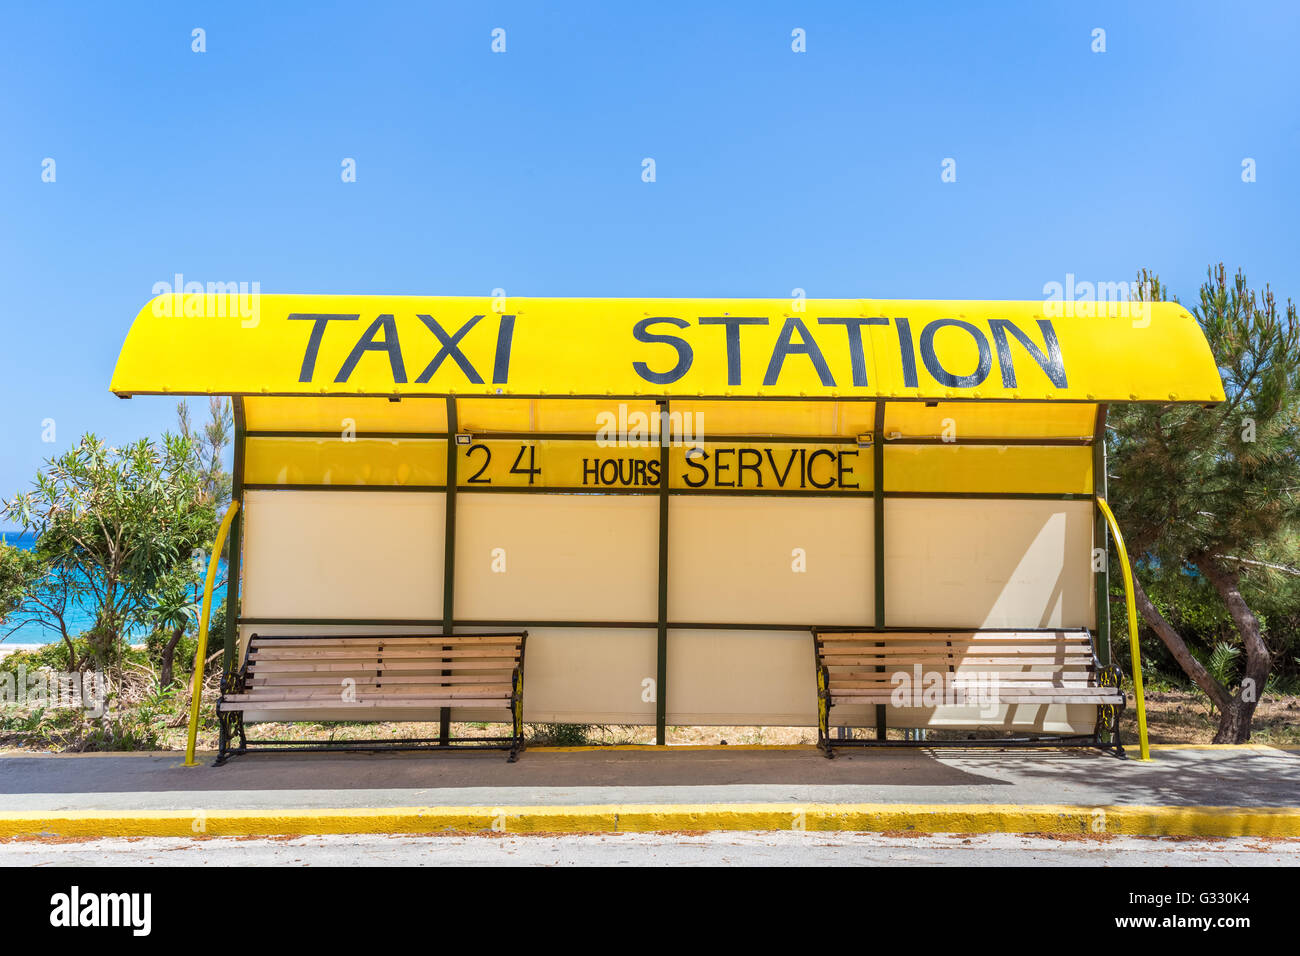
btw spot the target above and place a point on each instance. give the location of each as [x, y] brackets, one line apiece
[1251, 777]
[650, 849]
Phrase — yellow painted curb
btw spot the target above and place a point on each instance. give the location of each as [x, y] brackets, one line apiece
[654, 748]
[671, 748]
[1225, 747]
[618, 818]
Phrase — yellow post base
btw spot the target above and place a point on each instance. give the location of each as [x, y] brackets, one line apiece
[201, 655]
[1135, 655]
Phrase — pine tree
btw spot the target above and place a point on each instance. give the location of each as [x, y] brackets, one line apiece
[1215, 491]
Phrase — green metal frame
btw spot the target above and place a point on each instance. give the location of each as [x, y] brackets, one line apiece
[878, 533]
[449, 556]
[679, 492]
[235, 542]
[652, 396]
[1101, 539]
[662, 625]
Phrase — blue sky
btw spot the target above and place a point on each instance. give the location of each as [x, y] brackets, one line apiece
[522, 170]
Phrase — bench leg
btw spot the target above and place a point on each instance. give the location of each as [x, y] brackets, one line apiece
[824, 738]
[517, 715]
[1115, 741]
[517, 744]
[223, 742]
[1106, 735]
[229, 727]
[1108, 715]
[824, 713]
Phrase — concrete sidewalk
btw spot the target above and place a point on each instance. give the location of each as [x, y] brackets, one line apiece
[1248, 790]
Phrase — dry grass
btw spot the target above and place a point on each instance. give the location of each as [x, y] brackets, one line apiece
[1178, 717]
[1172, 717]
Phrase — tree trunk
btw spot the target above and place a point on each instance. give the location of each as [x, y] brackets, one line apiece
[72, 649]
[168, 656]
[1218, 694]
[1234, 724]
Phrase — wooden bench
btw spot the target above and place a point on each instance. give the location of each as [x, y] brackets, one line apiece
[976, 667]
[367, 678]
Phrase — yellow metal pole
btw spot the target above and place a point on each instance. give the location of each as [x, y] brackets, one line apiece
[204, 612]
[1134, 654]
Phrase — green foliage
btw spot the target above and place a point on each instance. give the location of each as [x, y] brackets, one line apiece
[1222, 480]
[217, 623]
[55, 656]
[209, 445]
[1209, 498]
[20, 570]
[1223, 663]
[37, 587]
[1191, 605]
[134, 728]
[123, 524]
[561, 735]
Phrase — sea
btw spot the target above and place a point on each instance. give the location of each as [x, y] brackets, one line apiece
[30, 633]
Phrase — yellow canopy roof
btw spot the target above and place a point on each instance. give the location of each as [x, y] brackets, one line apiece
[316, 345]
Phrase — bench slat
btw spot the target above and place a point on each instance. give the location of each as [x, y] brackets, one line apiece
[1091, 698]
[1022, 680]
[388, 652]
[295, 693]
[964, 650]
[362, 680]
[946, 660]
[417, 640]
[427, 670]
[307, 667]
[1032, 690]
[941, 636]
[425, 703]
[1040, 667]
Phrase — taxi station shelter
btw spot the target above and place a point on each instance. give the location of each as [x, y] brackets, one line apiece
[669, 495]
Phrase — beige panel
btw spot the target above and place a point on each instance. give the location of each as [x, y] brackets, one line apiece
[567, 557]
[988, 563]
[354, 554]
[586, 675]
[741, 677]
[731, 560]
